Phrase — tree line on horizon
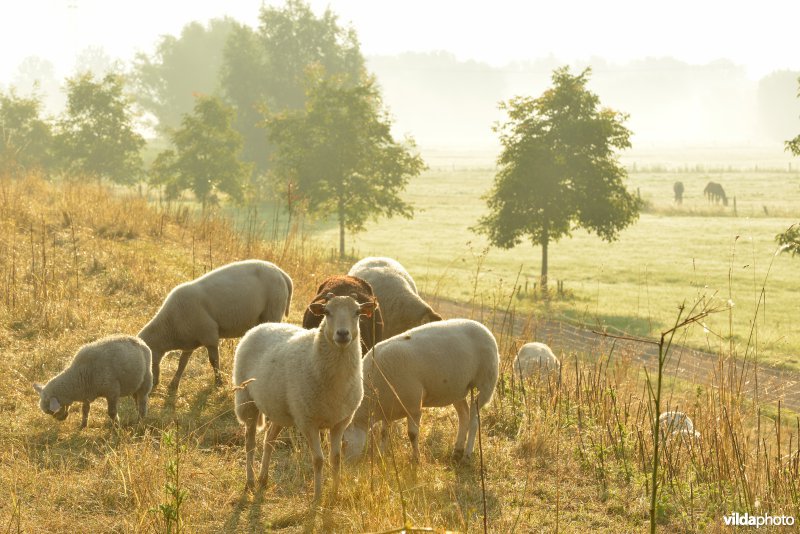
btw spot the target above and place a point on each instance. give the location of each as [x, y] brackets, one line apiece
[289, 111]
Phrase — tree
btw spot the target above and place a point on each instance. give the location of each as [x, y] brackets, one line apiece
[181, 68]
[25, 138]
[206, 155]
[790, 239]
[793, 145]
[268, 68]
[558, 169]
[340, 155]
[96, 137]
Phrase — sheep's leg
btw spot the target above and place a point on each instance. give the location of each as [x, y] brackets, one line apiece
[213, 359]
[269, 439]
[85, 414]
[113, 400]
[173, 385]
[413, 434]
[336, 451]
[462, 409]
[475, 405]
[311, 434]
[141, 404]
[384, 436]
[157, 367]
[249, 448]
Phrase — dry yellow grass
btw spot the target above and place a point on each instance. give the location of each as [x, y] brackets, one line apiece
[77, 263]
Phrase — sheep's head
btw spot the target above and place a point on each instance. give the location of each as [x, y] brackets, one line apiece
[50, 404]
[353, 442]
[340, 317]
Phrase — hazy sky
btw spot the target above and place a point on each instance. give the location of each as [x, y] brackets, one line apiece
[762, 38]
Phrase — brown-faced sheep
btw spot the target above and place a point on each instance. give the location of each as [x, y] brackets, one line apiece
[371, 328]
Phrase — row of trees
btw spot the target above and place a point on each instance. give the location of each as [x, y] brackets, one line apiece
[284, 110]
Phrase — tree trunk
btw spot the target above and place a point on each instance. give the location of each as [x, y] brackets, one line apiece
[341, 228]
[545, 243]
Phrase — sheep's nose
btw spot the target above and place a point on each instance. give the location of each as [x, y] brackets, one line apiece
[342, 336]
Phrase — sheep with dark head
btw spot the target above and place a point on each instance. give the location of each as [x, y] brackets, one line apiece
[371, 328]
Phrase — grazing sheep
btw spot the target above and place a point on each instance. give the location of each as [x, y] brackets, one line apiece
[112, 367]
[401, 305]
[371, 328]
[714, 192]
[535, 357]
[677, 188]
[436, 364]
[677, 426]
[307, 378]
[223, 303]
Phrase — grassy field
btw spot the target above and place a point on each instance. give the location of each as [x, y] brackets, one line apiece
[671, 254]
[572, 455]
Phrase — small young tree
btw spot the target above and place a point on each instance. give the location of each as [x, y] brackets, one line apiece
[206, 155]
[25, 139]
[790, 239]
[339, 155]
[558, 169]
[96, 138]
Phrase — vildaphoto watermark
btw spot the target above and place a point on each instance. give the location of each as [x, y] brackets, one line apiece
[746, 520]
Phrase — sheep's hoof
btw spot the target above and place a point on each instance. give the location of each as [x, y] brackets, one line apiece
[217, 382]
[250, 486]
[458, 455]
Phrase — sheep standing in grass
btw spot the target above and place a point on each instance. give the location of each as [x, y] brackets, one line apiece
[371, 328]
[224, 303]
[307, 378]
[401, 305]
[436, 364]
[534, 358]
[112, 367]
[677, 426]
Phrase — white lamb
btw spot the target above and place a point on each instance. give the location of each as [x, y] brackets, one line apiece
[401, 305]
[436, 364]
[535, 358]
[223, 303]
[307, 378]
[112, 367]
[677, 425]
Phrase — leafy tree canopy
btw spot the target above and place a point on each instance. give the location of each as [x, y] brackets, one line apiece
[558, 168]
[205, 159]
[181, 68]
[25, 138]
[96, 135]
[339, 156]
[269, 67]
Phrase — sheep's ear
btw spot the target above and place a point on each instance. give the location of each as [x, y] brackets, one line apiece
[54, 404]
[39, 388]
[367, 308]
[329, 296]
[317, 308]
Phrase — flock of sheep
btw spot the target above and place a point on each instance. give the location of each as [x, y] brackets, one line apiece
[370, 350]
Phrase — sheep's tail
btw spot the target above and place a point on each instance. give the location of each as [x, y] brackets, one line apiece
[288, 298]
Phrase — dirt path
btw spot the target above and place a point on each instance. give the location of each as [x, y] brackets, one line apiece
[683, 362]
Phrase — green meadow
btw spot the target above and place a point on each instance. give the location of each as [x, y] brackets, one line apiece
[671, 255]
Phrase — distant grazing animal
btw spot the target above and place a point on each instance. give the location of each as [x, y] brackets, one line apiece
[677, 188]
[400, 303]
[311, 379]
[112, 367]
[436, 364]
[371, 328]
[677, 426]
[714, 192]
[223, 303]
[535, 358]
